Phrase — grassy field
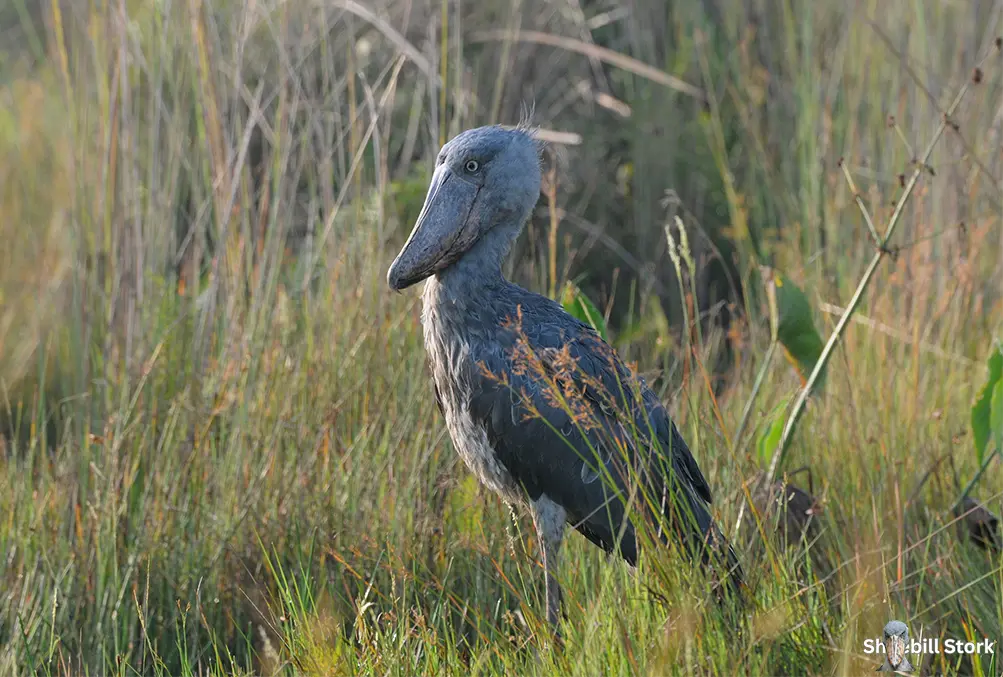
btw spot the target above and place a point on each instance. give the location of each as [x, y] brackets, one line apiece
[219, 449]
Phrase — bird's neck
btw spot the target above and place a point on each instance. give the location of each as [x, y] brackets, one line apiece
[477, 275]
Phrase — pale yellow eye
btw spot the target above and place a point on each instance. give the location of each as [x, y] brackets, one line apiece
[472, 166]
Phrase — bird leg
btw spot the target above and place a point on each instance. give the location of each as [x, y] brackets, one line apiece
[549, 519]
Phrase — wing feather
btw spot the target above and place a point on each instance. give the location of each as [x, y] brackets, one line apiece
[559, 448]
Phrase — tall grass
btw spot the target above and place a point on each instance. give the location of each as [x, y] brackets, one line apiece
[219, 450]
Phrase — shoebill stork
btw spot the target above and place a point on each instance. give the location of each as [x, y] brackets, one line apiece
[499, 353]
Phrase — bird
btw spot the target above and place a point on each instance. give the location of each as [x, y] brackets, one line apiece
[896, 647]
[538, 406]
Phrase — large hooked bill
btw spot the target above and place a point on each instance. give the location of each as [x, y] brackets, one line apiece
[442, 232]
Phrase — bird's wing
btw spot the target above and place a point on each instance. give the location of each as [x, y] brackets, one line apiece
[538, 442]
[554, 408]
[607, 382]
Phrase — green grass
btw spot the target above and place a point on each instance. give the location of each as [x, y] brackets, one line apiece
[230, 461]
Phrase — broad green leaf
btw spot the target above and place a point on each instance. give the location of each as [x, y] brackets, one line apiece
[982, 425]
[996, 415]
[796, 329]
[580, 306]
[771, 431]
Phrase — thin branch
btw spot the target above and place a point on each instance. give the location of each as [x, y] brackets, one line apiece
[609, 56]
[902, 336]
[905, 142]
[760, 378]
[771, 297]
[875, 238]
[879, 254]
[978, 475]
[391, 34]
[911, 72]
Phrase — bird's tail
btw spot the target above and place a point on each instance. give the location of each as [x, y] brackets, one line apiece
[689, 517]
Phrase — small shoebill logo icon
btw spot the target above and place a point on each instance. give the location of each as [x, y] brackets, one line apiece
[896, 646]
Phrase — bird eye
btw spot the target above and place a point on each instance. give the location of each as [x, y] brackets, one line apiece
[472, 166]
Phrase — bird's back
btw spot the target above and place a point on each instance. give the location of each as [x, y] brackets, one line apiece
[537, 404]
[609, 385]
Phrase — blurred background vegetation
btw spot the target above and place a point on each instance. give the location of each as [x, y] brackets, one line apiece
[218, 448]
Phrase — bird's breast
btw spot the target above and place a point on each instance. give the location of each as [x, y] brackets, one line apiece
[452, 359]
[472, 444]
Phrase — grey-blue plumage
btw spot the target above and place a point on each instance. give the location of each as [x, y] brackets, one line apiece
[538, 406]
[896, 638]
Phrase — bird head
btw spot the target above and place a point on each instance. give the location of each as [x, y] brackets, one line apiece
[896, 629]
[896, 642]
[484, 178]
